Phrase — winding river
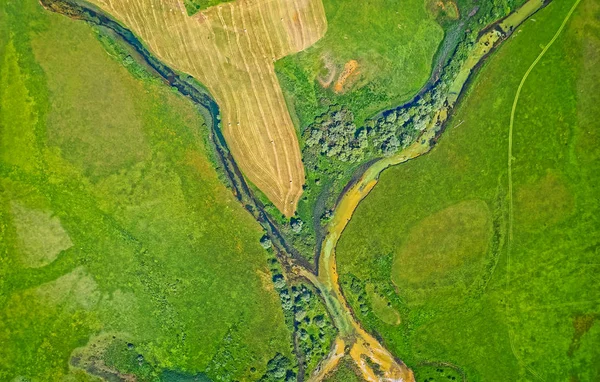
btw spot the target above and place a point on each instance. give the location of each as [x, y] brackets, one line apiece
[352, 339]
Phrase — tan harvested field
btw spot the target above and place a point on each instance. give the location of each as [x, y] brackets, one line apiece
[231, 49]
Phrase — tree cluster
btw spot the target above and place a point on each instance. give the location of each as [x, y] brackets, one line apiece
[313, 328]
[334, 134]
[279, 370]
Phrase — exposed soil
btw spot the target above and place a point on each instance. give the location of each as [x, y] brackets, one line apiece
[350, 71]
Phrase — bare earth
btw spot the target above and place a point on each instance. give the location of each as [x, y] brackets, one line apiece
[231, 49]
[349, 70]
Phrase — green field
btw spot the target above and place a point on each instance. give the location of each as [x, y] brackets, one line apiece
[433, 235]
[117, 250]
[393, 43]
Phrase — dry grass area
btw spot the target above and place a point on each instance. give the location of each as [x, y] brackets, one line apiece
[447, 8]
[326, 78]
[231, 49]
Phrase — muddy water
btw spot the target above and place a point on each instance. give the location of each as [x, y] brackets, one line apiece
[363, 346]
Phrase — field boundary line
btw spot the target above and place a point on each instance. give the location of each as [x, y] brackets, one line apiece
[510, 183]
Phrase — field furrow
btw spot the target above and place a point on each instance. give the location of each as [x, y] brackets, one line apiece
[267, 93]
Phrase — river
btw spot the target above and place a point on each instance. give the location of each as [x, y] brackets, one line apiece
[352, 339]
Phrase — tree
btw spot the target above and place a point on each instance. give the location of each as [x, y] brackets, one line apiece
[300, 314]
[279, 281]
[319, 321]
[265, 242]
[296, 225]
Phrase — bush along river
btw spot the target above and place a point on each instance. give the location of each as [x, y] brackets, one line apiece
[374, 361]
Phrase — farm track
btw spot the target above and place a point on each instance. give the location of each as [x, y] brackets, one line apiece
[231, 49]
[510, 160]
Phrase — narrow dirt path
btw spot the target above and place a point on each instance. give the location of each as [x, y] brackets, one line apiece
[510, 183]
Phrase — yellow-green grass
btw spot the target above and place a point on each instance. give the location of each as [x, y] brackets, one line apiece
[382, 307]
[88, 138]
[17, 146]
[193, 6]
[162, 254]
[393, 43]
[443, 9]
[345, 372]
[454, 238]
[536, 319]
[231, 49]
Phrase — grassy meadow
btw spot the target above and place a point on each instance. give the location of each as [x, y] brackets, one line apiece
[344, 372]
[118, 254]
[390, 43]
[432, 236]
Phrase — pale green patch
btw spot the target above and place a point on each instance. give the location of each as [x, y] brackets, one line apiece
[40, 236]
[77, 288]
[444, 241]
[382, 307]
[543, 202]
[96, 123]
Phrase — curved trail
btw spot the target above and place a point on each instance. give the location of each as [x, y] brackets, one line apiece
[510, 183]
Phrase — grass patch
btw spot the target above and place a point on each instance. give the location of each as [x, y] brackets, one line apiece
[437, 373]
[385, 46]
[452, 238]
[345, 372]
[88, 117]
[382, 307]
[18, 144]
[194, 6]
[155, 258]
[505, 323]
[41, 236]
